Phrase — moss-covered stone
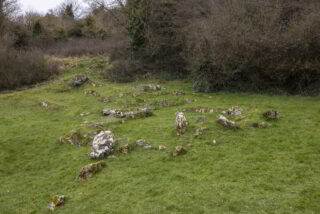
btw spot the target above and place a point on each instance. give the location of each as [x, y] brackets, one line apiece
[179, 150]
[78, 138]
[56, 201]
[89, 170]
[271, 115]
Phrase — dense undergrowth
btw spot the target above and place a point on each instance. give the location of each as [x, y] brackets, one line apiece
[271, 170]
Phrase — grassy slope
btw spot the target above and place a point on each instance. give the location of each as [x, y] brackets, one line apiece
[273, 170]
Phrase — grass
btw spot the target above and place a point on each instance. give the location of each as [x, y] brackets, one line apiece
[272, 170]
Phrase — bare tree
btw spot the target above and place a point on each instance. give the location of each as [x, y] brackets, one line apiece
[70, 8]
[8, 8]
[112, 7]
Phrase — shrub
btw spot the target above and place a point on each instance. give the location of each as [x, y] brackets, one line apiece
[78, 47]
[124, 71]
[257, 46]
[21, 68]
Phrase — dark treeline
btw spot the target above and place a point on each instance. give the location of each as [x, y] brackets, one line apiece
[233, 45]
[247, 45]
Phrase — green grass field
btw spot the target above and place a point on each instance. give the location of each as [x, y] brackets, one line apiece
[248, 170]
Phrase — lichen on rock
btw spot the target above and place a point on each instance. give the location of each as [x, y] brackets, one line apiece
[127, 114]
[179, 150]
[91, 169]
[227, 123]
[181, 123]
[56, 201]
[125, 149]
[78, 138]
[235, 111]
[78, 80]
[143, 143]
[92, 92]
[271, 115]
[103, 145]
[260, 125]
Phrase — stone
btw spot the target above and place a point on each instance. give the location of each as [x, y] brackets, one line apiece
[92, 92]
[91, 169]
[145, 109]
[225, 122]
[77, 138]
[125, 149]
[78, 80]
[200, 110]
[84, 114]
[179, 150]
[148, 147]
[260, 125]
[127, 115]
[148, 87]
[234, 111]
[271, 115]
[162, 148]
[111, 112]
[103, 145]
[181, 123]
[44, 104]
[178, 93]
[56, 201]
[201, 119]
[200, 131]
[143, 143]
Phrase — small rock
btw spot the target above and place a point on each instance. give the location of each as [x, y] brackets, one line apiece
[143, 143]
[145, 109]
[200, 131]
[92, 92]
[180, 150]
[234, 111]
[77, 138]
[260, 125]
[271, 115]
[125, 149]
[78, 80]
[200, 110]
[91, 169]
[85, 114]
[56, 201]
[127, 115]
[44, 104]
[162, 148]
[225, 122]
[102, 145]
[178, 93]
[148, 87]
[111, 112]
[181, 123]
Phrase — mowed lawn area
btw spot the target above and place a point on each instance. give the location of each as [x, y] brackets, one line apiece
[246, 170]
